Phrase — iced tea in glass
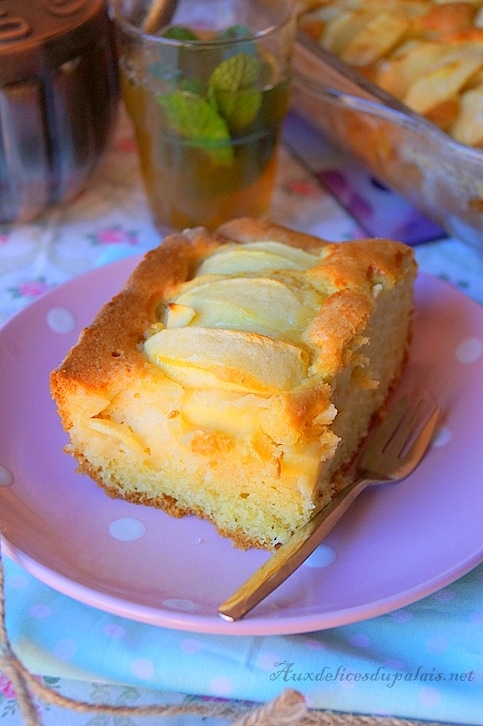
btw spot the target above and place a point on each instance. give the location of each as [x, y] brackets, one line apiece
[207, 95]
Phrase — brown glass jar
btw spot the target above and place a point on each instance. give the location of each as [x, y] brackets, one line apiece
[58, 100]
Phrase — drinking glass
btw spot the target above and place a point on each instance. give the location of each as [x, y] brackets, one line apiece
[207, 94]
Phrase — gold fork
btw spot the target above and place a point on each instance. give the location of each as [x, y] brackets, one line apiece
[390, 453]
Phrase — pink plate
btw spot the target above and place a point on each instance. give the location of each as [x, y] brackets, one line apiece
[395, 546]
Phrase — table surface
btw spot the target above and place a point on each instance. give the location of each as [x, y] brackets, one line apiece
[424, 661]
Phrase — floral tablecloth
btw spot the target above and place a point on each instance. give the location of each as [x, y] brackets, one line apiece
[424, 661]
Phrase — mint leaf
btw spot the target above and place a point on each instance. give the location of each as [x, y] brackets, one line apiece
[239, 71]
[239, 109]
[232, 87]
[235, 31]
[197, 120]
[179, 32]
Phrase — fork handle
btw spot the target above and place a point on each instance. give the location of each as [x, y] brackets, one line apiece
[290, 555]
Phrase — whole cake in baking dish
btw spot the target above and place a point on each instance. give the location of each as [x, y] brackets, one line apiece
[236, 374]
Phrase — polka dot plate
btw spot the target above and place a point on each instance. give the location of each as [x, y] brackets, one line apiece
[398, 544]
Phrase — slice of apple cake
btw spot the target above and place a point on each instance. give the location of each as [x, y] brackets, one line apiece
[236, 374]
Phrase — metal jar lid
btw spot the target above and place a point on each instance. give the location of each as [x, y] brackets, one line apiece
[37, 36]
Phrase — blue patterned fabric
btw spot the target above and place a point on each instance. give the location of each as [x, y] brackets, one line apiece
[424, 661]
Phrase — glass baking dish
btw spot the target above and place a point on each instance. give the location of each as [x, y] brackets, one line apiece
[439, 176]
